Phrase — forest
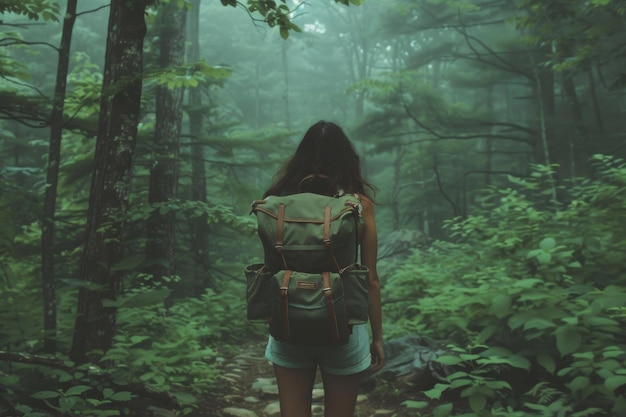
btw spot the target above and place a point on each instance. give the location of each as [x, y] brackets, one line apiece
[134, 136]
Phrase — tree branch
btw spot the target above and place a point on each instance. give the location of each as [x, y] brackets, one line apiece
[93, 10]
[455, 208]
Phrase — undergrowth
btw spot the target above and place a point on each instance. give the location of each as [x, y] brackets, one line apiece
[530, 299]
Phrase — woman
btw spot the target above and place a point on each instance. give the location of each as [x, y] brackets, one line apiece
[326, 152]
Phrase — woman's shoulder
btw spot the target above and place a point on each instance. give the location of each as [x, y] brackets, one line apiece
[366, 201]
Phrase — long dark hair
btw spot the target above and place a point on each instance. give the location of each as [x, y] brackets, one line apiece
[327, 156]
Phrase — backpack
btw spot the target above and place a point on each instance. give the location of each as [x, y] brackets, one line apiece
[310, 289]
[308, 232]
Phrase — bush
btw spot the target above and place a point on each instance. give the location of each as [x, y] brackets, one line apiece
[530, 298]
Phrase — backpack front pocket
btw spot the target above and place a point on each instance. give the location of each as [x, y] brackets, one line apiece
[309, 308]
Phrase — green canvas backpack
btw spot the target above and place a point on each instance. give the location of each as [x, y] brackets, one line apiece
[310, 290]
[308, 232]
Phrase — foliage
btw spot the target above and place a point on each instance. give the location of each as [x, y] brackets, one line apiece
[577, 32]
[75, 401]
[530, 299]
[175, 350]
[279, 14]
[33, 9]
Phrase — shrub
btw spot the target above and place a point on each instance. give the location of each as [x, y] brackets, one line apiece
[530, 298]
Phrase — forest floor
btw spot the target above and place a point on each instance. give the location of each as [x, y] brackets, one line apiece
[250, 390]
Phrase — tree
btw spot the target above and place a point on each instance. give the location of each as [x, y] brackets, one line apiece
[52, 177]
[165, 164]
[108, 200]
[198, 225]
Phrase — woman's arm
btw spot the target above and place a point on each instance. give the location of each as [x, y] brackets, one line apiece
[369, 254]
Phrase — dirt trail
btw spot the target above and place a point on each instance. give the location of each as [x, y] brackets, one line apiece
[253, 391]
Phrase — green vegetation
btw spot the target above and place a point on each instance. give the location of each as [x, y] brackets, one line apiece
[494, 130]
[530, 299]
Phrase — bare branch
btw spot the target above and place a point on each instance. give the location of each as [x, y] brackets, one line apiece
[93, 10]
[17, 41]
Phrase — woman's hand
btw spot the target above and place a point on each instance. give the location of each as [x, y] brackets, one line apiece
[378, 356]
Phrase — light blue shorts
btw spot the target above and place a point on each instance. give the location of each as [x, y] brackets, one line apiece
[348, 359]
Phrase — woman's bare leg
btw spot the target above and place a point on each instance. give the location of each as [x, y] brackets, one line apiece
[295, 387]
[340, 392]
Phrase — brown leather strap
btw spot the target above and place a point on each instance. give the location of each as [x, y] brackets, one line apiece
[284, 289]
[326, 236]
[332, 318]
[280, 232]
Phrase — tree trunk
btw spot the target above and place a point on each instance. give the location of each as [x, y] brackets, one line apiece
[578, 141]
[542, 85]
[199, 228]
[108, 199]
[286, 89]
[489, 142]
[594, 99]
[52, 179]
[165, 164]
[396, 188]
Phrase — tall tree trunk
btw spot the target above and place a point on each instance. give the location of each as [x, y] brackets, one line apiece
[594, 99]
[489, 142]
[286, 89]
[257, 95]
[542, 85]
[52, 179]
[396, 188]
[165, 164]
[108, 199]
[578, 141]
[199, 227]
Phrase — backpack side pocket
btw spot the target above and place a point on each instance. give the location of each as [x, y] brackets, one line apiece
[258, 293]
[356, 293]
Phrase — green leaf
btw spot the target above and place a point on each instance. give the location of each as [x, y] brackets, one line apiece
[568, 340]
[457, 383]
[138, 338]
[615, 382]
[449, 360]
[527, 282]
[600, 321]
[579, 383]
[501, 305]
[477, 402]
[538, 323]
[414, 404]
[518, 361]
[496, 385]
[544, 258]
[435, 393]
[121, 396]
[442, 410]
[77, 390]
[547, 362]
[107, 392]
[547, 243]
[67, 403]
[45, 395]
[294, 27]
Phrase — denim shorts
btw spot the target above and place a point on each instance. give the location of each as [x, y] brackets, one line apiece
[348, 359]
